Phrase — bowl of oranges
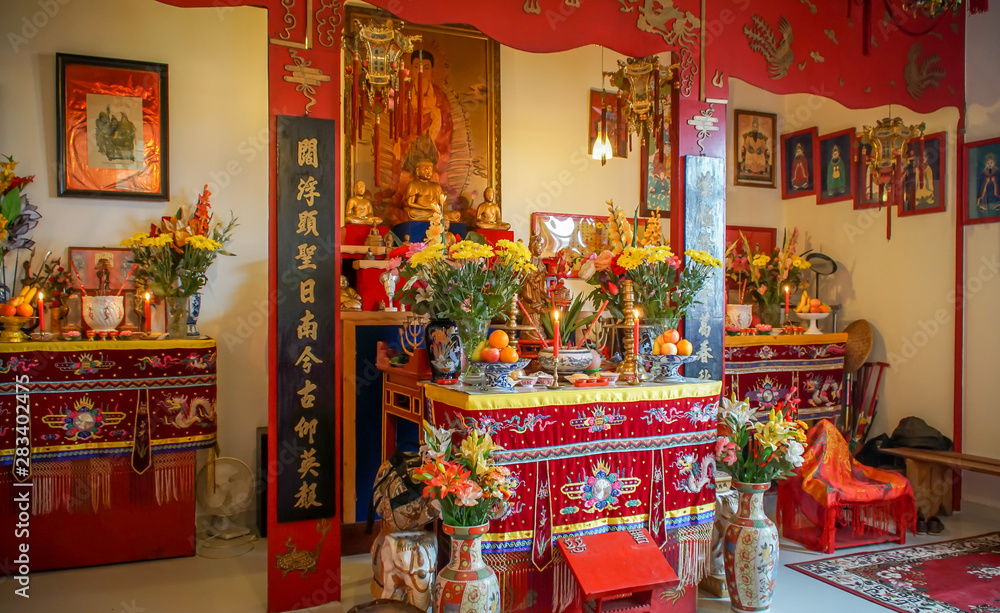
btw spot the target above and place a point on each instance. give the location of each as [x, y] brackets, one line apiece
[14, 316]
[497, 359]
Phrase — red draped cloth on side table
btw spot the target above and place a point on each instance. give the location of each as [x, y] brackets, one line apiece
[835, 501]
[114, 430]
[588, 461]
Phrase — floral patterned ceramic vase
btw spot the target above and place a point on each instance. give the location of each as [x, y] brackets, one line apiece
[466, 584]
[751, 551]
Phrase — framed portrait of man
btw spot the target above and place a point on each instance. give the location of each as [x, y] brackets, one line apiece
[755, 148]
[924, 177]
[836, 175]
[982, 182]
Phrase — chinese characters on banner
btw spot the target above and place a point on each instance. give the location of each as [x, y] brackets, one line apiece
[704, 230]
[306, 294]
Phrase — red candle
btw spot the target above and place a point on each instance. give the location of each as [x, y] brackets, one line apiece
[41, 312]
[635, 332]
[787, 289]
[555, 333]
[149, 323]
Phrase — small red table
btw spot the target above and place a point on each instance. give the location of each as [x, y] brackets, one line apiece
[618, 571]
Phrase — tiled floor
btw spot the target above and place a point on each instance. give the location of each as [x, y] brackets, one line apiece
[238, 585]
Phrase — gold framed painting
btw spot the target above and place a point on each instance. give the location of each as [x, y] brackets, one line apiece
[755, 148]
[452, 120]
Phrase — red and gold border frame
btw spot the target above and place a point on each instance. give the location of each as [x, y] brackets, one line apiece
[82, 76]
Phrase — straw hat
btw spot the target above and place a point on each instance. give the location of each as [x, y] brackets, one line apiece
[859, 345]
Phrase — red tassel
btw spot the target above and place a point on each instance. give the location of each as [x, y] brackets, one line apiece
[979, 6]
[866, 28]
[888, 223]
[377, 140]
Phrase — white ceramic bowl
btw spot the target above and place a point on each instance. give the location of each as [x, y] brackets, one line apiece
[103, 313]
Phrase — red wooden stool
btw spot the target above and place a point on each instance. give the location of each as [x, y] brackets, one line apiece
[618, 571]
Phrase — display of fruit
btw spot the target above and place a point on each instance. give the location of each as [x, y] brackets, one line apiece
[499, 339]
[684, 347]
[668, 343]
[22, 304]
[496, 348]
[25, 310]
[508, 355]
[8, 310]
[814, 305]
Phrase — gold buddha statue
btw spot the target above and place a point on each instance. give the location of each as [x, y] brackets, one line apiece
[488, 213]
[350, 299]
[359, 208]
[424, 196]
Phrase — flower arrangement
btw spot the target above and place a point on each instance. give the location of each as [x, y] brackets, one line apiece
[468, 282]
[764, 276]
[463, 476]
[763, 451]
[17, 215]
[665, 290]
[173, 258]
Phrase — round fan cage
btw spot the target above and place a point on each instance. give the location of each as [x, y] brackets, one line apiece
[224, 491]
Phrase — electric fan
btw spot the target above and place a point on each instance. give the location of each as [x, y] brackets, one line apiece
[224, 491]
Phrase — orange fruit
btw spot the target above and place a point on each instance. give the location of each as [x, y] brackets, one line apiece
[499, 339]
[8, 310]
[25, 310]
[508, 354]
[684, 347]
[668, 349]
[671, 336]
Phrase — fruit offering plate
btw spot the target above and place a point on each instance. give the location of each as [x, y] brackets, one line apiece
[12, 328]
[667, 366]
[496, 375]
[812, 318]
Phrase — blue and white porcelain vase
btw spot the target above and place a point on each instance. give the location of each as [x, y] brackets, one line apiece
[445, 348]
[194, 309]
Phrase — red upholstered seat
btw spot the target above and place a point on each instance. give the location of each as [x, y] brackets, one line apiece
[834, 501]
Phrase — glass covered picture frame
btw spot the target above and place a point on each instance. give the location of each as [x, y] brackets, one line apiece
[755, 146]
[112, 137]
[835, 176]
[981, 182]
[923, 183]
[799, 163]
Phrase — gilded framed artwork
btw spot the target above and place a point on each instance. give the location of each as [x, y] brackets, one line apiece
[112, 136]
[923, 177]
[982, 182]
[836, 175]
[799, 163]
[453, 122]
[755, 146]
[605, 112]
[866, 192]
[94, 263]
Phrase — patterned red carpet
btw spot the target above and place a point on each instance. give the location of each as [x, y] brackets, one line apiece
[947, 577]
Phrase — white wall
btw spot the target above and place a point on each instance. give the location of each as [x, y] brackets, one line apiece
[218, 106]
[899, 285]
[982, 251]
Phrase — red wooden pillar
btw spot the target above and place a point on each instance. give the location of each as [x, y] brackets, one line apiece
[309, 53]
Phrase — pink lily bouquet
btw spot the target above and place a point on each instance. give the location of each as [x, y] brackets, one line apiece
[463, 475]
[759, 452]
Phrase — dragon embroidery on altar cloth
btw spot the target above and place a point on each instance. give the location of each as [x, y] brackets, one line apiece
[488, 425]
[16, 363]
[194, 361]
[822, 391]
[698, 473]
[183, 414]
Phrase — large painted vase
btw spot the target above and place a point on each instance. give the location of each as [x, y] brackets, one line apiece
[751, 551]
[466, 584]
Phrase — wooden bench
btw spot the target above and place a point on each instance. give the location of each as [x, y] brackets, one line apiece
[930, 474]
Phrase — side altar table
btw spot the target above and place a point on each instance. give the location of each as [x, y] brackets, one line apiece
[592, 460]
[763, 369]
[114, 426]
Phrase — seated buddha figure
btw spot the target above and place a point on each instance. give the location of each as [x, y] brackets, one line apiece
[359, 208]
[424, 195]
[488, 213]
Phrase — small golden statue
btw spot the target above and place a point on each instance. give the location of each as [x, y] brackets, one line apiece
[350, 299]
[424, 196]
[374, 239]
[534, 294]
[359, 208]
[488, 213]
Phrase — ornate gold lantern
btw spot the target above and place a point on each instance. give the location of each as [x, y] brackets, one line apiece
[378, 79]
[885, 163]
[644, 92]
[931, 8]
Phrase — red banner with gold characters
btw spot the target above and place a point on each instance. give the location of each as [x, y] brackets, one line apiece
[306, 343]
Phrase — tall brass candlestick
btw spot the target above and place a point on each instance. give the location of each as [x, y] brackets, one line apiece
[512, 315]
[629, 365]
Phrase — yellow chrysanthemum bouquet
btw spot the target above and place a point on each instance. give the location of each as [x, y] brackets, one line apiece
[174, 257]
[761, 276]
[468, 282]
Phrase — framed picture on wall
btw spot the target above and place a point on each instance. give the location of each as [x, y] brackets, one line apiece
[836, 177]
[799, 163]
[111, 128]
[762, 240]
[654, 174]
[923, 177]
[456, 128]
[605, 114]
[982, 182]
[579, 235]
[94, 264]
[755, 145]
[866, 192]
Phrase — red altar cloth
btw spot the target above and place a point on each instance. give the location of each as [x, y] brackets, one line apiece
[588, 461]
[763, 369]
[114, 429]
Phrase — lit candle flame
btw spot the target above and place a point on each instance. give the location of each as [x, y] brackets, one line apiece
[555, 315]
